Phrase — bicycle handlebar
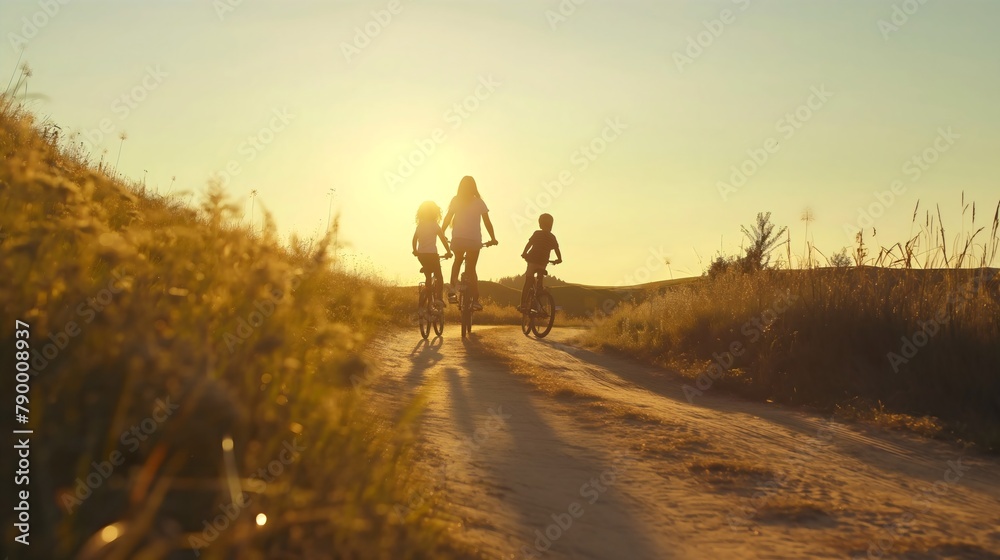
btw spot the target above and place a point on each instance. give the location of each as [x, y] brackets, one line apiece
[550, 262]
[450, 254]
[443, 257]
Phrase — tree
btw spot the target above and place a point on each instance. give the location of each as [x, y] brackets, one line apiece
[763, 240]
[517, 282]
[757, 256]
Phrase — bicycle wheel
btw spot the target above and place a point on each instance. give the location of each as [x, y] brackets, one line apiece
[527, 321]
[438, 317]
[546, 316]
[466, 320]
[423, 317]
[465, 312]
[439, 322]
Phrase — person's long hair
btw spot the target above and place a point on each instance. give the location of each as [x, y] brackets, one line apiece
[467, 191]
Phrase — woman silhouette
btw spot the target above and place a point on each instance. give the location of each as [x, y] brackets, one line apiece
[468, 211]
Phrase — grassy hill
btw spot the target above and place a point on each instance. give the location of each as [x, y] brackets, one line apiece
[906, 347]
[579, 300]
[195, 389]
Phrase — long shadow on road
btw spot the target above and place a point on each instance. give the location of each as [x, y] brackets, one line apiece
[425, 355]
[538, 473]
[885, 452]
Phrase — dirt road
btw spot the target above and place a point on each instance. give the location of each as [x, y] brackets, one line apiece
[568, 454]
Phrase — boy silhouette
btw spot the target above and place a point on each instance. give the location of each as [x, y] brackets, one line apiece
[536, 252]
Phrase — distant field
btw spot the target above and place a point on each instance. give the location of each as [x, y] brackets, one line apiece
[576, 301]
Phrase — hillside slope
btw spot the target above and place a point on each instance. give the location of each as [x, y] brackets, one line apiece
[573, 300]
[190, 383]
[916, 348]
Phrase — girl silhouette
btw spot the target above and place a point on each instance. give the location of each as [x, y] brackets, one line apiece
[425, 245]
[468, 211]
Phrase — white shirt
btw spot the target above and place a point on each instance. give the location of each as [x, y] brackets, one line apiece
[427, 234]
[467, 221]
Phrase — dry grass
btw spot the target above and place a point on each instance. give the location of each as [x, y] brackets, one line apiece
[826, 337]
[532, 373]
[252, 340]
[876, 413]
[725, 471]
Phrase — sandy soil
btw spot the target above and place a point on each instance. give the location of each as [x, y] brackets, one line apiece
[546, 450]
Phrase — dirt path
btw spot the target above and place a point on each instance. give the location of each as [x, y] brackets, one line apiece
[583, 455]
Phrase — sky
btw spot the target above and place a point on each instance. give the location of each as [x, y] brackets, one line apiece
[651, 130]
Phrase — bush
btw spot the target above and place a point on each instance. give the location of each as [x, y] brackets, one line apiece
[757, 256]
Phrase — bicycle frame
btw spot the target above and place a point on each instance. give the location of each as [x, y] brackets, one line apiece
[541, 300]
[537, 288]
[539, 284]
[428, 316]
[464, 299]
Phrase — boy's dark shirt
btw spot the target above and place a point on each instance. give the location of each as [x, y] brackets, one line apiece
[542, 245]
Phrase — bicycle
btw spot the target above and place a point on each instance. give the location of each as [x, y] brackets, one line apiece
[465, 302]
[541, 308]
[428, 315]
